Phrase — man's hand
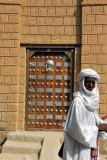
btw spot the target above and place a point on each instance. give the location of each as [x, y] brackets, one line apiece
[102, 127]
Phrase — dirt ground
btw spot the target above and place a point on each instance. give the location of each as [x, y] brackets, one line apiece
[103, 157]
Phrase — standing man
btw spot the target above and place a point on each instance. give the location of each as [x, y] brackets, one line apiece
[81, 129]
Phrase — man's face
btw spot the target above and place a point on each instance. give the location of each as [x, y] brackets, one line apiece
[89, 83]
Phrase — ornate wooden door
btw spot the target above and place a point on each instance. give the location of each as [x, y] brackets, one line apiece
[48, 89]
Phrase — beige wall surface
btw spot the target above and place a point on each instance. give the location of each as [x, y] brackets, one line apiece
[30, 22]
[49, 22]
[9, 64]
[94, 47]
[94, 44]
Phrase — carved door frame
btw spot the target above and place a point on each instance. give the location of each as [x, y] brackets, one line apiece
[69, 52]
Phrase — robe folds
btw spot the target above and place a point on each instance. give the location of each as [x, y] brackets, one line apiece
[80, 132]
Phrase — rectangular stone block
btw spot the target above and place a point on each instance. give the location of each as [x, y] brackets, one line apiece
[84, 20]
[91, 19]
[13, 89]
[12, 107]
[51, 29]
[42, 30]
[22, 61]
[14, 79]
[26, 10]
[97, 10]
[21, 107]
[67, 2]
[40, 2]
[102, 98]
[49, 21]
[31, 21]
[41, 21]
[34, 11]
[4, 18]
[91, 59]
[13, 18]
[11, 126]
[57, 3]
[58, 21]
[101, 59]
[86, 10]
[102, 88]
[84, 39]
[92, 39]
[33, 30]
[96, 49]
[4, 89]
[51, 11]
[8, 97]
[68, 21]
[6, 116]
[60, 30]
[104, 28]
[21, 71]
[86, 30]
[15, 98]
[21, 116]
[104, 68]
[4, 52]
[101, 19]
[2, 8]
[70, 11]
[7, 79]
[20, 126]
[69, 30]
[8, 61]
[61, 11]
[21, 89]
[1, 79]
[21, 98]
[3, 107]
[48, 2]
[97, 29]
[42, 11]
[103, 78]
[96, 67]
[103, 109]
[1, 43]
[5, 36]
[11, 70]
[14, 116]
[1, 61]
[14, 52]
[8, 43]
[10, 9]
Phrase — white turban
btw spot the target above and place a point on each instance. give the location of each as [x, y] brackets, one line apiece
[89, 98]
[88, 73]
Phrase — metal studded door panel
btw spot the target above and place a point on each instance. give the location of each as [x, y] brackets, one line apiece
[48, 90]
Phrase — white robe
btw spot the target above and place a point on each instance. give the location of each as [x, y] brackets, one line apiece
[81, 132]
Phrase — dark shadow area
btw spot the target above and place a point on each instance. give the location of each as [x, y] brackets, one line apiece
[2, 143]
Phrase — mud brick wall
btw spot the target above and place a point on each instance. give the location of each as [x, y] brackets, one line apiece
[48, 22]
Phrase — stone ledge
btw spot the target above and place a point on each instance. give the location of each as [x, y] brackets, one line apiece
[12, 2]
[95, 2]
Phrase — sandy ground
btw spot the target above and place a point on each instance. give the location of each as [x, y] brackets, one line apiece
[103, 157]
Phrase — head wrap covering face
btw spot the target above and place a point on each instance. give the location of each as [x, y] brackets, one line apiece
[88, 73]
[89, 98]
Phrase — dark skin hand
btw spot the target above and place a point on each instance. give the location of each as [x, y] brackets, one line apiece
[90, 85]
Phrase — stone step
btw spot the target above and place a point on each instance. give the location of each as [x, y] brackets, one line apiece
[10, 156]
[24, 137]
[21, 147]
